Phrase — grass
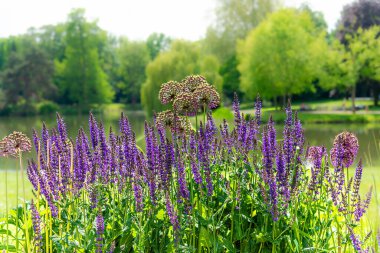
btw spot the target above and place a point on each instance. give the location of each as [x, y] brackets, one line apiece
[322, 112]
[12, 189]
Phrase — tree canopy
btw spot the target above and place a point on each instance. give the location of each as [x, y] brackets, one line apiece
[182, 59]
[133, 58]
[281, 56]
[82, 80]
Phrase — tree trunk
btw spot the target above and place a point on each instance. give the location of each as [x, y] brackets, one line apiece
[353, 94]
[275, 103]
[375, 91]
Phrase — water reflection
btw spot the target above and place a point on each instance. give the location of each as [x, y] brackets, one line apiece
[316, 134]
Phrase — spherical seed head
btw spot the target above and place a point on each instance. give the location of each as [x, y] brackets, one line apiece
[206, 95]
[165, 119]
[6, 149]
[17, 142]
[177, 124]
[349, 145]
[190, 83]
[169, 91]
[185, 104]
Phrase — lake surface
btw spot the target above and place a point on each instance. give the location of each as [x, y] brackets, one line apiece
[316, 134]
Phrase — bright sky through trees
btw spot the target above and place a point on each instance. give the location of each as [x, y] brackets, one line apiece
[187, 19]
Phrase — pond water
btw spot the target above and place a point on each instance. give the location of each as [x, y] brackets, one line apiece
[315, 134]
[321, 134]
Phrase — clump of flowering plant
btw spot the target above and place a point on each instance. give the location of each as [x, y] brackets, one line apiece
[239, 188]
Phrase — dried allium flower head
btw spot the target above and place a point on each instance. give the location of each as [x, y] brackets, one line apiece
[349, 145]
[165, 119]
[17, 142]
[315, 154]
[169, 91]
[207, 96]
[6, 150]
[185, 104]
[190, 83]
[176, 123]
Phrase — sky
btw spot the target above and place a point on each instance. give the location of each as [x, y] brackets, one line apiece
[136, 19]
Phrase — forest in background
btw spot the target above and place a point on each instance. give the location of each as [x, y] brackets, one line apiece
[253, 47]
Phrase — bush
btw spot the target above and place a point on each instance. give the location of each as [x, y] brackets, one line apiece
[47, 107]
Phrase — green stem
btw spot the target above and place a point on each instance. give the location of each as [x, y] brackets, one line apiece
[25, 207]
[6, 205]
[17, 210]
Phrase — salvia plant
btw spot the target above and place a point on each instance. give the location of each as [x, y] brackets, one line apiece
[202, 188]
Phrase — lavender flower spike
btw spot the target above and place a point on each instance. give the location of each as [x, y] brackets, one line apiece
[99, 232]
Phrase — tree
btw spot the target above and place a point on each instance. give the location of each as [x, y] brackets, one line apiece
[28, 78]
[346, 65]
[182, 59]
[133, 58]
[82, 80]
[156, 43]
[282, 56]
[234, 20]
[359, 14]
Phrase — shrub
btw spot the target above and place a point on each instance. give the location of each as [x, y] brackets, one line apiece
[47, 107]
[237, 189]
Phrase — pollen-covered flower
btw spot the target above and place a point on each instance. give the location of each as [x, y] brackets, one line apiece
[207, 96]
[185, 104]
[349, 145]
[190, 83]
[169, 91]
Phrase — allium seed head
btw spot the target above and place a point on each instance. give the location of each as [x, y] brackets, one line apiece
[185, 104]
[169, 91]
[207, 96]
[349, 144]
[190, 83]
[14, 143]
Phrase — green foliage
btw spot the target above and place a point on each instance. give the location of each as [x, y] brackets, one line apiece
[156, 43]
[82, 79]
[181, 60]
[231, 76]
[234, 20]
[282, 56]
[27, 77]
[47, 107]
[133, 57]
[357, 15]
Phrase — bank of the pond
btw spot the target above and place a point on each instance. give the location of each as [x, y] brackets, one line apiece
[308, 117]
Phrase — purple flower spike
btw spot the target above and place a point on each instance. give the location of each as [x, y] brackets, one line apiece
[94, 131]
[36, 220]
[236, 108]
[61, 128]
[193, 160]
[258, 106]
[99, 232]
[314, 155]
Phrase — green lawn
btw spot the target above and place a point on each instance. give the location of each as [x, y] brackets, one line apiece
[12, 189]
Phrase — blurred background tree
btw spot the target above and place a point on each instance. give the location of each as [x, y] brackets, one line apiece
[182, 59]
[281, 56]
[82, 80]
